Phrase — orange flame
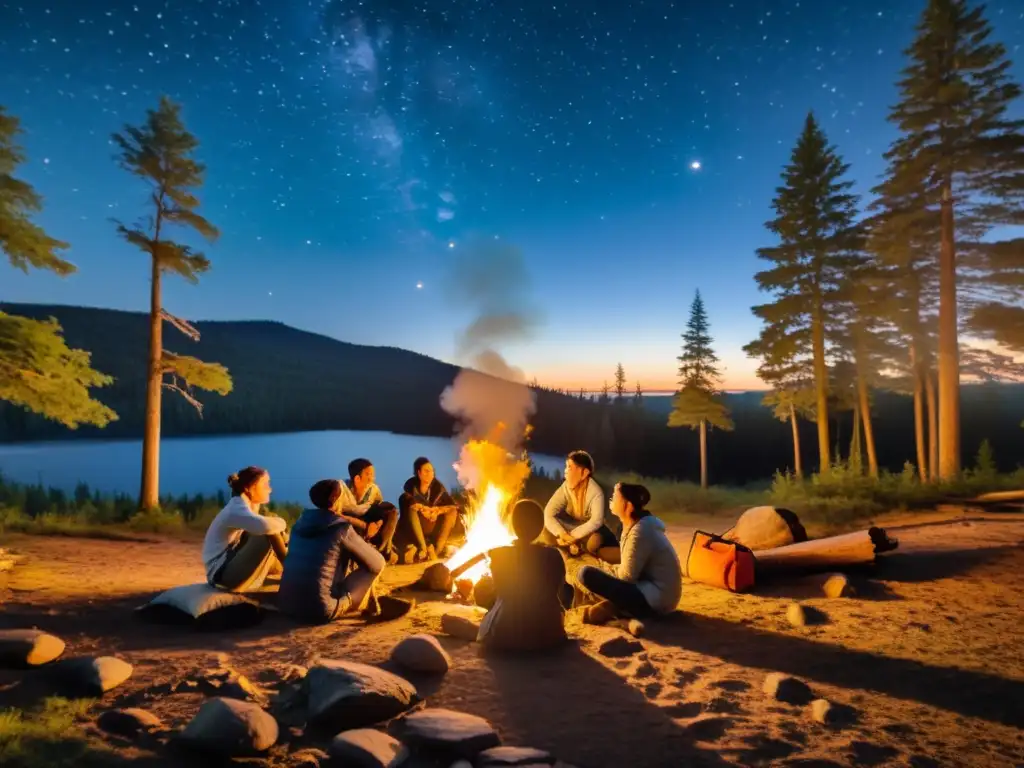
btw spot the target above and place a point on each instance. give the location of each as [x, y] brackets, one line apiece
[494, 477]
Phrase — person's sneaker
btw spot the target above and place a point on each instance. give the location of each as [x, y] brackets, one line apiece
[409, 556]
[392, 608]
[599, 613]
[449, 551]
[431, 553]
[421, 556]
[392, 557]
[635, 627]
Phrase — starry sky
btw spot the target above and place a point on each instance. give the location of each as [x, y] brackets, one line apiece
[630, 150]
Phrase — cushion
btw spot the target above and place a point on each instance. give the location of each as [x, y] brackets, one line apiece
[202, 606]
[766, 528]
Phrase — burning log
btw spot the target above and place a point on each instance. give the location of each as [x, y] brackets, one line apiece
[849, 549]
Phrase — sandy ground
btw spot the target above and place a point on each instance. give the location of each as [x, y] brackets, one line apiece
[927, 661]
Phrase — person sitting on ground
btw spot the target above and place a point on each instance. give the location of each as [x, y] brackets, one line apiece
[649, 580]
[531, 594]
[318, 585]
[427, 510]
[363, 505]
[574, 518]
[242, 546]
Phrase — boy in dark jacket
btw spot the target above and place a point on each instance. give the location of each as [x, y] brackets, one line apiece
[317, 585]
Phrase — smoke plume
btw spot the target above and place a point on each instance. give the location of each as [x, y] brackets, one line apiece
[490, 278]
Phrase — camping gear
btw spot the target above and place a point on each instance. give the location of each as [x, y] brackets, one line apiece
[718, 562]
[766, 527]
[858, 548]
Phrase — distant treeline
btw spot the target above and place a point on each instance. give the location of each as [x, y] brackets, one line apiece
[288, 380]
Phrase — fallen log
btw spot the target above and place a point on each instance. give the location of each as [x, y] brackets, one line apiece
[999, 497]
[834, 552]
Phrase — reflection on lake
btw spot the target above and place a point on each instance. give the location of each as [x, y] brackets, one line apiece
[193, 465]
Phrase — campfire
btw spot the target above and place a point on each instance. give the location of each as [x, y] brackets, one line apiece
[493, 477]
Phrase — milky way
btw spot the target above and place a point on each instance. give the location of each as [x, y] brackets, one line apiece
[350, 142]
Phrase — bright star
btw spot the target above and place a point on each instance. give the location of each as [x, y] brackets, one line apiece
[695, 165]
[419, 285]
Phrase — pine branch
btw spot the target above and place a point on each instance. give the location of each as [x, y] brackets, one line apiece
[182, 325]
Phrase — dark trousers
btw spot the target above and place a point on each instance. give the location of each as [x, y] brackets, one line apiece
[388, 514]
[602, 543]
[624, 595]
[419, 528]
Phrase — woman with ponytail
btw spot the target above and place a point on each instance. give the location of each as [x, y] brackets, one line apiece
[241, 545]
[649, 580]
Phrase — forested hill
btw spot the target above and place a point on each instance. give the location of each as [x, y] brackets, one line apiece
[289, 380]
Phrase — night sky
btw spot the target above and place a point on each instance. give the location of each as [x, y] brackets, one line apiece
[352, 146]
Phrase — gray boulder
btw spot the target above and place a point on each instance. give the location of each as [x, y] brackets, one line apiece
[368, 748]
[421, 653]
[92, 676]
[231, 728]
[455, 734]
[343, 695]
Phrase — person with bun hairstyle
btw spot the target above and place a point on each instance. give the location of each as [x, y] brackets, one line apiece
[331, 569]
[649, 580]
[241, 545]
[574, 518]
[531, 594]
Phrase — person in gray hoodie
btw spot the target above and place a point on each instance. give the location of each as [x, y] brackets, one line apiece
[649, 580]
[318, 585]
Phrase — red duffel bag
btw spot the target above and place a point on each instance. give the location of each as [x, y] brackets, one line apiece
[720, 563]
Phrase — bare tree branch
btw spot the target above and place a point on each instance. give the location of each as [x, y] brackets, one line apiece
[182, 325]
[174, 387]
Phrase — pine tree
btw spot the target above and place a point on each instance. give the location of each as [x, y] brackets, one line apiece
[160, 152]
[965, 158]
[638, 396]
[815, 225]
[865, 335]
[38, 371]
[620, 384]
[698, 402]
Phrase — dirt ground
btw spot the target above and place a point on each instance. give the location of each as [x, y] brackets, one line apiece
[925, 663]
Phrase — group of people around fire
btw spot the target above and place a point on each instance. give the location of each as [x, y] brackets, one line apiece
[330, 562]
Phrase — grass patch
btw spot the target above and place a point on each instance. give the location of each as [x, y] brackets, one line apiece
[49, 736]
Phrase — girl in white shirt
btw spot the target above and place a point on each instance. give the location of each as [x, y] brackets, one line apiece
[241, 545]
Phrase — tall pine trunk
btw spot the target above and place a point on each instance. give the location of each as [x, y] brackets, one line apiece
[149, 495]
[919, 434]
[821, 387]
[856, 458]
[949, 352]
[869, 433]
[703, 454]
[798, 466]
[934, 440]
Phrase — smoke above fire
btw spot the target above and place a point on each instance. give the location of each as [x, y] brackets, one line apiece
[490, 278]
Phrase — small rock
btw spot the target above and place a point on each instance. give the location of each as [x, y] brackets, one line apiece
[496, 757]
[436, 578]
[230, 684]
[788, 689]
[485, 593]
[129, 722]
[367, 748]
[308, 758]
[458, 626]
[822, 711]
[421, 653]
[28, 647]
[805, 615]
[620, 646]
[443, 730]
[344, 695]
[93, 677]
[231, 728]
[836, 585]
[461, 764]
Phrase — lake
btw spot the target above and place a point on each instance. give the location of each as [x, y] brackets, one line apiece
[193, 465]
